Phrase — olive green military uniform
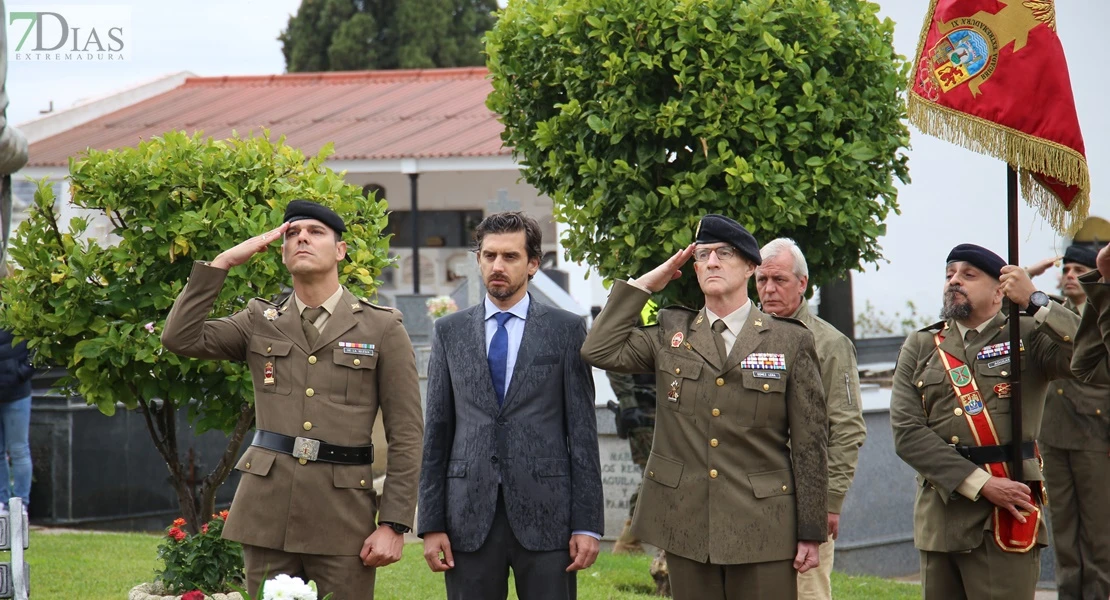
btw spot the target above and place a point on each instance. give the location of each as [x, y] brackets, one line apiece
[959, 558]
[847, 431]
[1075, 442]
[737, 473]
[321, 391]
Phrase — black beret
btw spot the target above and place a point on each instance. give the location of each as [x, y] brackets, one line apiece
[715, 229]
[1081, 254]
[987, 261]
[307, 209]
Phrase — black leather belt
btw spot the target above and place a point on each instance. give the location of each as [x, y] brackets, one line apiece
[982, 455]
[314, 450]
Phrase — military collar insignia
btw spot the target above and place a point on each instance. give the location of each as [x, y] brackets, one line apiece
[701, 317]
[758, 322]
[270, 314]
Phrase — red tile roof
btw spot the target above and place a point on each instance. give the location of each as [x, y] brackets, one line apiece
[375, 115]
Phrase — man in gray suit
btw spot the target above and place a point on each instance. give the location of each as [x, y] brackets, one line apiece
[511, 475]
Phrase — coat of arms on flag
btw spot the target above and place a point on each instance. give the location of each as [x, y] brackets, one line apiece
[991, 76]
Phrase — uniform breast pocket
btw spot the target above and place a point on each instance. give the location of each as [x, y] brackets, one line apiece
[764, 401]
[677, 382]
[354, 374]
[271, 366]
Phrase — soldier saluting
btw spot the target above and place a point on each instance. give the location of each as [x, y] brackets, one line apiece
[323, 362]
[736, 483]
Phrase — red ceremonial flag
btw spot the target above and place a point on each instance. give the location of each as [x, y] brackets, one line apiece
[990, 75]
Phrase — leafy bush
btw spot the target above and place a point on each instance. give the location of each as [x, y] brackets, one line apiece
[201, 561]
[639, 116]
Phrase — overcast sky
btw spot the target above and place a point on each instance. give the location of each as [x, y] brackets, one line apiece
[955, 196]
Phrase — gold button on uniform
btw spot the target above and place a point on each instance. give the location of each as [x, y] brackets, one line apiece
[362, 482]
[713, 442]
[677, 370]
[716, 412]
[310, 392]
[303, 461]
[920, 383]
[312, 360]
[1098, 411]
[1004, 373]
[651, 473]
[959, 412]
[308, 425]
[248, 465]
[712, 473]
[784, 488]
[357, 362]
[766, 386]
[955, 439]
[720, 381]
[1059, 391]
[1067, 338]
[269, 348]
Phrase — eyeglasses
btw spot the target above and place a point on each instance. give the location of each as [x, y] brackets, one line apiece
[724, 253]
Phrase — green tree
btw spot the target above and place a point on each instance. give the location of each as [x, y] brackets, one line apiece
[639, 116]
[97, 307]
[345, 35]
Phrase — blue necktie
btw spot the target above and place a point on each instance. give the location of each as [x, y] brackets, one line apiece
[499, 355]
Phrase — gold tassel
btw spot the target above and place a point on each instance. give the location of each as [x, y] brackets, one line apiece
[1028, 153]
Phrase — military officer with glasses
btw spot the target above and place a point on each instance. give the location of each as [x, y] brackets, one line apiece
[735, 487]
[324, 362]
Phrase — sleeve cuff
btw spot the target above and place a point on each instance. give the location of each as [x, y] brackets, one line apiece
[637, 285]
[1042, 313]
[836, 502]
[973, 484]
[596, 536]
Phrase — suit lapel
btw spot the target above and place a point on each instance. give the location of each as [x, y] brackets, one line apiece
[534, 325]
[341, 322]
[476, 346]
[748, 340]
[289, 323]
[701, 340]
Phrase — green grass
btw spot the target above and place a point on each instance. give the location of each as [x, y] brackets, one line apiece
[104, 566]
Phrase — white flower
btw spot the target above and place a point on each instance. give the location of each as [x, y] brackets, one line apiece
[440, 306]
[284, 587]
[149, 327]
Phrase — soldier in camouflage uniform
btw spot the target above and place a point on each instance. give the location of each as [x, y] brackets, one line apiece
[636, 423]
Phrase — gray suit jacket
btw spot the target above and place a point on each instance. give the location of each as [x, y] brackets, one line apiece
[541, 444]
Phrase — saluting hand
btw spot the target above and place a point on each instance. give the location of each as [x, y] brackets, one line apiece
[245, 250]
[1103, 263]
[1016, 285]
[1009, 494]
[1041, 266]
[658, 278]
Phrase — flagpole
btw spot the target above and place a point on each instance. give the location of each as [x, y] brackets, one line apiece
[1016, 471]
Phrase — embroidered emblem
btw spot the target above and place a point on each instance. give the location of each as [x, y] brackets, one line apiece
[764, 360]
[357, 348]
[270, 314]
[961, 375]
[268, 374]
[1002, 390]
[973, 403]
[999, 363]
[1002, 349]
[676, 341]
[673, 394]
[767, 374]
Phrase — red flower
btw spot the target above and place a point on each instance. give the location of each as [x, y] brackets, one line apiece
[193, 595]
[176, 533]
[178, 522]
[204, 528]
[223, 514]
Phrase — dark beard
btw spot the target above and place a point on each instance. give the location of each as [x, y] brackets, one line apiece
[504, 292]
[954, 310]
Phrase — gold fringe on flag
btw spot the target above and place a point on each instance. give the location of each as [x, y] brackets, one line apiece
[1029, 154]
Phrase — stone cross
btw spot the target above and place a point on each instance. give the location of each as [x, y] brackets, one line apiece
[502, 203]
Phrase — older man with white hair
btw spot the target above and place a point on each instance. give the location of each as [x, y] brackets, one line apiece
[781, 282]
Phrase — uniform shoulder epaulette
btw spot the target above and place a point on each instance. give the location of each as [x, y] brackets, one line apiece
[367, 302]
[680, 307]
[939, 325]
[790, 320]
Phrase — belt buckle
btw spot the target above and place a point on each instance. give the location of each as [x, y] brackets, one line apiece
[306, 448]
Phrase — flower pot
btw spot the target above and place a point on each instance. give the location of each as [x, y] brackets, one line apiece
[155, 591]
